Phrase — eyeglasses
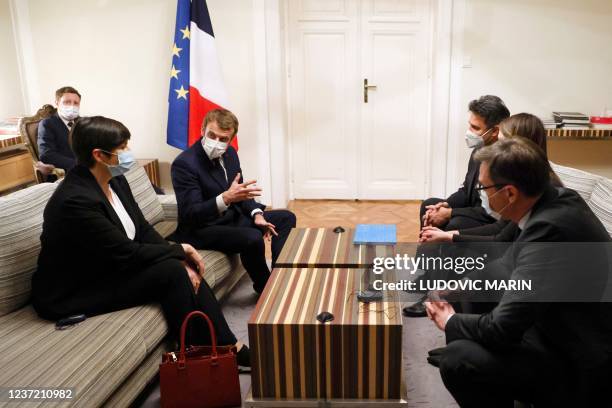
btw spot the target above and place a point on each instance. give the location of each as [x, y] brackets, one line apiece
[480, 187]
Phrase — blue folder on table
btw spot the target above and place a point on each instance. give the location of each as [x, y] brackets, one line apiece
[377, 234]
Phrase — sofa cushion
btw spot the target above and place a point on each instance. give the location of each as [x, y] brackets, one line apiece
[21, 217]
[147, 320]
[217, 266]
[601, 202]
[165, 228]
[168, 202]
[145, 195]
[581, 181]
[94, 357]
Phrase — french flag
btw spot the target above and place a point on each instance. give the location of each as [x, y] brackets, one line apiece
[196, 84]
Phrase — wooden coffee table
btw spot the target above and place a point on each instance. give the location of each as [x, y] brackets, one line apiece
[353, 360]
[324, 248]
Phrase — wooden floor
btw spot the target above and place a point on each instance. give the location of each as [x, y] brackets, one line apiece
[348, 213]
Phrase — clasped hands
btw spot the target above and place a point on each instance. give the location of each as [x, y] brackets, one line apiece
[436, 216]
[438, 310]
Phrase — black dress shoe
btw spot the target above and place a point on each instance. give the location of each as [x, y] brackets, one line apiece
[437, 351]
[416, 310]
[243, 357]
[434, 360]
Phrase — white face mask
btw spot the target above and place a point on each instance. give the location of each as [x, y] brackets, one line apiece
[473, 140]
[213, 148]
[68, 112]
[484, 198]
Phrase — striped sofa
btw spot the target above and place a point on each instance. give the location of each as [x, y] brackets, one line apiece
[595, 190]
[107, 359]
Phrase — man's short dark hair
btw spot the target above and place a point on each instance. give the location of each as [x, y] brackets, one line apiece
[96, 132]
[64, 90]
[491, 108]
[519, 162]
[225, 119]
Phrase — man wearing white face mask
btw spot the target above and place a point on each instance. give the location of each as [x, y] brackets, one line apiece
[53, 144]
[216, 207]
[485, 115]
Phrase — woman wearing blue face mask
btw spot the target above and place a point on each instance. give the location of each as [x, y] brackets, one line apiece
[99, 254]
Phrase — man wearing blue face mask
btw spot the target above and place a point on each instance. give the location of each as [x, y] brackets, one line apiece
[53, 144]
[216, 207]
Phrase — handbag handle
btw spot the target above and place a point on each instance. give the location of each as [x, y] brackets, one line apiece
[213, 336]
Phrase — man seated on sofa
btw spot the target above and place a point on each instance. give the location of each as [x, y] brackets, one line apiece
[534, 346]
[462, 208]
[216, 207]
[53, 144]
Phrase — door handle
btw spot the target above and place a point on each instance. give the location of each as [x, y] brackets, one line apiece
[365, 89]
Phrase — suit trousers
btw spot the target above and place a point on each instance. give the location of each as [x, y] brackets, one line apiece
[479, 377]
[165, 282]
[246, 239]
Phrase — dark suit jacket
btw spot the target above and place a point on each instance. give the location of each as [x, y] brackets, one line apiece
[53, 145]
[198, 181]
[499, 231]
[85, 251]
[466, 196]
[581, 332]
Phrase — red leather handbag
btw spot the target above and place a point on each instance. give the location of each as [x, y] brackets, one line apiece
[200, 376]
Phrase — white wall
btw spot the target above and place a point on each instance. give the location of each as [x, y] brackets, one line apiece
[118, 53]
[538, 56]
[11, 96]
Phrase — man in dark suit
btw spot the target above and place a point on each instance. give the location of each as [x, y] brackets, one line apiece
[462, 208]
[216, 208]
[53, 144]
[536, 345]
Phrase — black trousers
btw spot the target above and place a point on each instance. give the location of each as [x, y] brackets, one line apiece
[478, 377]
[166, 283]
[246, 239]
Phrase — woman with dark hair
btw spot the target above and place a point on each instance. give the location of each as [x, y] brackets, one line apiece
[99, 254]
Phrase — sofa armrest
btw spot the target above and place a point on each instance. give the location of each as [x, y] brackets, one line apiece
[168, 202]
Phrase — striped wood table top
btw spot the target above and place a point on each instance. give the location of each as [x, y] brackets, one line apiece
[324, 248]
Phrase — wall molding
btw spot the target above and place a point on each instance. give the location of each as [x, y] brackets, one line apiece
[271, 115]
[441, 53]
[26, 61]
[457, 110]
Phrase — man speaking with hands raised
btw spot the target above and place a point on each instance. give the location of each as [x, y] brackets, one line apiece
[216, 207]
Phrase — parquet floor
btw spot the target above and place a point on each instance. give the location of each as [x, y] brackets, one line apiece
[348, 213]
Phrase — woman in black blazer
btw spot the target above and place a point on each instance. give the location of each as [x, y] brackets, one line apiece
[99, 254]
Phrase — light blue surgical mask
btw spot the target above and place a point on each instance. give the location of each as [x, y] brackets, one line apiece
[126, 162]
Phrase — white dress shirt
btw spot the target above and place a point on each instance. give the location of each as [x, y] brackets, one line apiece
[221, 206]
[124, 217]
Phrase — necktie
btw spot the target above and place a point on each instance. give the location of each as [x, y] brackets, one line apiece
[70, 124]
[220, 168]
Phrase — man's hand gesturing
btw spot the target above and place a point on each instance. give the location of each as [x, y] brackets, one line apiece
[240, 191]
